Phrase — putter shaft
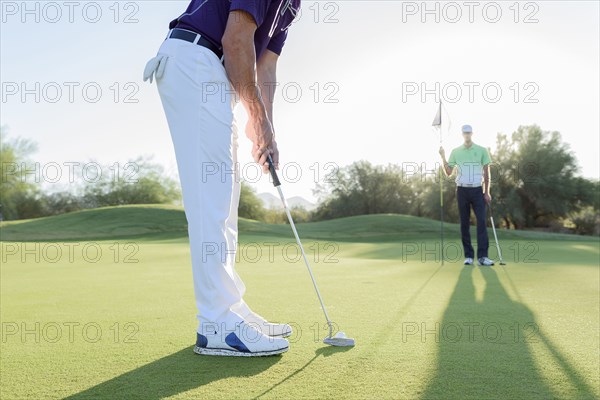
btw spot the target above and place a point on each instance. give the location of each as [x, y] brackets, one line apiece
[277, 184]
[312, 277]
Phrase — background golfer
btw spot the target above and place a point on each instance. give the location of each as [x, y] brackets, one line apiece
[216, 53]
[472, 164]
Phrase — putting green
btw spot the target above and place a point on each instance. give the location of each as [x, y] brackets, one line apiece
[106, 311]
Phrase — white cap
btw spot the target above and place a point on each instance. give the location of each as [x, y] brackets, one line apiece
[467, 129]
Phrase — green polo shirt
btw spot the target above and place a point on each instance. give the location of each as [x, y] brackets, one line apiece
[470, 162]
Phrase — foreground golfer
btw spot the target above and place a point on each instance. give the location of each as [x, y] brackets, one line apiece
[213, 51]
[473, 170]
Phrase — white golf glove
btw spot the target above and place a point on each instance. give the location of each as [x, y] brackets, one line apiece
[155, 67]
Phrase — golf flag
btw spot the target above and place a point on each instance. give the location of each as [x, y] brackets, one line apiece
[437, 121]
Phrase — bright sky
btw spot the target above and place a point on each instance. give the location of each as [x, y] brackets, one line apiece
[373, 58]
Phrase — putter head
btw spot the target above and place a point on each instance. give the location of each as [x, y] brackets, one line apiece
[340, 340]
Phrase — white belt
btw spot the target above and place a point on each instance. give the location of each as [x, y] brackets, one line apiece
[468, 185]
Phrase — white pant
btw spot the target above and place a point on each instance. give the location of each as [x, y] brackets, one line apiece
[198, 102]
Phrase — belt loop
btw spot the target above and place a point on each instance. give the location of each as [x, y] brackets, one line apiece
[197, 38]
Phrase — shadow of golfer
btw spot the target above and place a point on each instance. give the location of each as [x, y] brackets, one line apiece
[584, 391]
[322, 351]
[395, 319]
[174, 374]
[492, 356]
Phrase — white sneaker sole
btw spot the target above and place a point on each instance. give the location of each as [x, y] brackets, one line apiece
[205, 351]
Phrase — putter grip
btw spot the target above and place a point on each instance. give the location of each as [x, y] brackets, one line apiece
[273, 172]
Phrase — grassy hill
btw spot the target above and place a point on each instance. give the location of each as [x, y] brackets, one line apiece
[115, 319]
[161, 221]
[107, 222]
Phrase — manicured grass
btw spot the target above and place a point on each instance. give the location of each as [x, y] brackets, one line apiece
[528, 330]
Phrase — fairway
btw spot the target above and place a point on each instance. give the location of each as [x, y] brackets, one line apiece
[99, 304]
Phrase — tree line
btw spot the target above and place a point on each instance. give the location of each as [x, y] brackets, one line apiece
[22, 193]
[535, 185]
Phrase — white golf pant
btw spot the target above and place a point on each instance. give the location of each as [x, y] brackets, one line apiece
[198, 102]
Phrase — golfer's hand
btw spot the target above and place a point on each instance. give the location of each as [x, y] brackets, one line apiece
[442, 152]
[273, 151]
[487, 198]
[261, 134]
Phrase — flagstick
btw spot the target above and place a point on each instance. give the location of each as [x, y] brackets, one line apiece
[442, 202]
[437, 122]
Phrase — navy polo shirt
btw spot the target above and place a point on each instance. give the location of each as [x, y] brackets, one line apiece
[272, 17]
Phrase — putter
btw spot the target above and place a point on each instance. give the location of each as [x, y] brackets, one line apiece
[340, 338]
[496, 236]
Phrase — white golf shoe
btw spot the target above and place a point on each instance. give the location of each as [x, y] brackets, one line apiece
[244, 341]
[468, 261]
[485, 262]
[267, 328]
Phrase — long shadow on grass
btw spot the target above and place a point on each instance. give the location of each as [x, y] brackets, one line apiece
[323, 351]
[491, 358]
[174, 374]
[584, 391]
